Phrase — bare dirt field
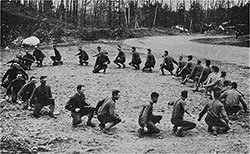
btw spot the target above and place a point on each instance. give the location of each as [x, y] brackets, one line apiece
[21, 132]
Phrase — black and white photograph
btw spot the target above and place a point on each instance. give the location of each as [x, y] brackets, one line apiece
[124, 77]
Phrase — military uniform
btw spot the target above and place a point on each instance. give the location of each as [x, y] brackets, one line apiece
[150, 62]
[136, 60]
[78, 101]
[146, 118]
[101, 63]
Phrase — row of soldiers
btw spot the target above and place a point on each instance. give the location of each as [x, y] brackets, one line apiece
[217, 113]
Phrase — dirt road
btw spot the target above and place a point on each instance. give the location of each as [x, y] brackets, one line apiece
[57, 136]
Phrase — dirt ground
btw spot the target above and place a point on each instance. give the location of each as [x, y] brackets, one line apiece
[20, 132]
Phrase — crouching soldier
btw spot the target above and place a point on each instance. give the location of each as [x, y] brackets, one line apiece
[178, 114]
[216, 116]
[106, 112]
[42, 97]
[57, 58]
[147, 120]
[79, 107]
[102, 62]
[150, 62]
[25, 93]
[83, 56]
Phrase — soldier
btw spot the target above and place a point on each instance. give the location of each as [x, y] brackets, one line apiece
[26, 91]
[57, 58]
[178, 114]
[216, 116]
[79, 107]
[147, 120]
[38, 54]
[214, 76]
[83, 56]
[150, 62]
[167, 63]
[121, 58]
[232, 99]
[136, 60]
[43, 97]
[106, 112]
[218, 84]
[181, 64]
[195, 73]
[14, 87]
[28, 59]
[102, 62]
[186, 70]
[204, 74]
[11, 74]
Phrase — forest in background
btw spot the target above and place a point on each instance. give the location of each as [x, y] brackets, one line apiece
[197, 16]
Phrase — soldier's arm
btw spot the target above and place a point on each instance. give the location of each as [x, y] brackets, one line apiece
[224, 113]
[243, 103]
[223, 95]
[5, 76]
[145, 114]
[203, 112]
[112, 109]
[175, 62]
[21, 91]
[68, 105]
[50, 94]
[33, 95]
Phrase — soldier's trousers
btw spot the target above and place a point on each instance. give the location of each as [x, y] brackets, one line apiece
[217, 123]
[185, 125]
[99, 67]
[39, 106]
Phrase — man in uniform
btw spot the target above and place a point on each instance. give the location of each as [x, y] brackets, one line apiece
[28, 59]
[26, 91]
[232, 99]
[14, 87]
[150, 62]
[38, 54]
[11, 74]
[186, 70]
[43, 97]
[136, 59]
[57, 58]
[121, 58]
[204, 74]
[79, 107]
[216, 115]
[102, 62]
[195, 73]
[147, 120]
[106, 112]
[167, 63]
[178, 114]
[181, 64]
[83, 56]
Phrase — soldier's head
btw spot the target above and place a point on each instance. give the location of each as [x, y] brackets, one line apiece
[80, 89]
[165, 53]
[198, 62]
[180, 58]
[227, 83]
[208, 62]
[215, 69]
[79, 48]
[154, 97]
[54, 46]
[115, 94]
[234, 85]
[99, 48]
[223, 74]
[133, 49]
[149, 51]
[216, 94]
[184, 94]
[190, 57]
[26, 51]
[43, 80]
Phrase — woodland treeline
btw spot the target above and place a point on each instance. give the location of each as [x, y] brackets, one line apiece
[143, 13]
